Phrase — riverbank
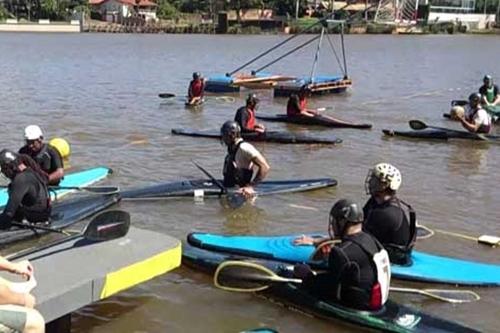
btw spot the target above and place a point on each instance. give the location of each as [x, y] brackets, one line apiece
[12, 25]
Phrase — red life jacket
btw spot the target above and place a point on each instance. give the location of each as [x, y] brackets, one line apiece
[196, 88]
[303, 103]
[251, 119]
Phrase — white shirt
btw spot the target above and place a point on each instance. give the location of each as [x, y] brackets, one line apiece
[245, 154]
[481, 118]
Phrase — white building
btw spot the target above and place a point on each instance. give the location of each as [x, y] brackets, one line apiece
[118, 10]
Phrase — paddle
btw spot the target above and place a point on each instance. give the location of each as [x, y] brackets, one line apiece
[490, 240]
[166, 95]
[246, 276]
[93, 189]
[420, 125]
[108, 225]
[235, 200]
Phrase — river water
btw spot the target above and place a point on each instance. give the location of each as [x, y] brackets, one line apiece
[100, 93]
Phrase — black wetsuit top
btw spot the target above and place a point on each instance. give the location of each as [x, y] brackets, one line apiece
[390, 226]
[483, 90]
[28, 198]
[351, 273]
[48, 158]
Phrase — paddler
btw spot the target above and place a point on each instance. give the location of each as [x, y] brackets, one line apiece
[475, 119]
[245, 116]
[489, 92]
[385, 217]
[297, 104]
[358, 274]
[28, 194]
[45, 155]
[240, 161]
[17, 313]
[196, 89]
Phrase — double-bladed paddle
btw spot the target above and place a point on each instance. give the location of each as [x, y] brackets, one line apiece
[493, 241]
[247, 276]
[420, 125]
[108, 225]
[92, 189]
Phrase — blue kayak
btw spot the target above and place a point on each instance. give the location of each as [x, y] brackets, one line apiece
[78, 179]
[425, 267]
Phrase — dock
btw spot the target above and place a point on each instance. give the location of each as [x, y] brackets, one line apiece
[78, 273]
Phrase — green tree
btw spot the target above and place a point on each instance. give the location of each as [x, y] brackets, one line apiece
[166, 10]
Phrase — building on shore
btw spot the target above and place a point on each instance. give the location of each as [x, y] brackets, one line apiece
[122, 11]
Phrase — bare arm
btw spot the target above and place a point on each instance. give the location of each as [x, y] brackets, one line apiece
[55, 176]
[264, 168]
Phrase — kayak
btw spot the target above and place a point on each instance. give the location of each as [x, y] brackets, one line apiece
[75, 179]
[441, 135]
[318, 120]
[202, 188]
[393, 317]
[268, 136]
[425, 267]
[63, 215]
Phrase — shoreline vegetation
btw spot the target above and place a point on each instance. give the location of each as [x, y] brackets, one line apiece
[191, 27]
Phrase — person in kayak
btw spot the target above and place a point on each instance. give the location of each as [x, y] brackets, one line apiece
[17, 313]
[358, 274]
[196, 89]
[240, 161]
[28, 194]
[297, 104]
[45, 155]
[245, 116]
[489, 92]
[385, 217]
[475, 119]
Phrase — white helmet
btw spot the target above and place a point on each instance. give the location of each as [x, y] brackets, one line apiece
[381, 177]
[33, 132]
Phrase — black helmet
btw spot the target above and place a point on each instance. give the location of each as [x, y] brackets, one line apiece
[475, 97]
[230, 127]
[304, 89]
[487, 78]
[196, 75]
[9, 161]
[344, 212]
[252, 99]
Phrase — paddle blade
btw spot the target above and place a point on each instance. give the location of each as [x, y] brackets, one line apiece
[166, 95]
[417, 125]
[108, 225]
[246, 276]
[242, 276]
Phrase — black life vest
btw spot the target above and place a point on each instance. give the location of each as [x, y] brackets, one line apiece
[232, 175]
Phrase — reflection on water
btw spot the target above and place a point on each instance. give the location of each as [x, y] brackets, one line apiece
[100, 93]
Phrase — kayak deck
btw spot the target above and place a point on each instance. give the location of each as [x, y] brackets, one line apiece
[202, 188]
[392, 318]
[63, 215]
[425, 267]
[317, 120]
[268, 136]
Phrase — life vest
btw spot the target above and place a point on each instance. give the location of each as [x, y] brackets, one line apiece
[303, 103]
[251, 119]
[379, 259]
[43, 159]
[293, 106]
[490, 94]
[232, 175]
[196, 88]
